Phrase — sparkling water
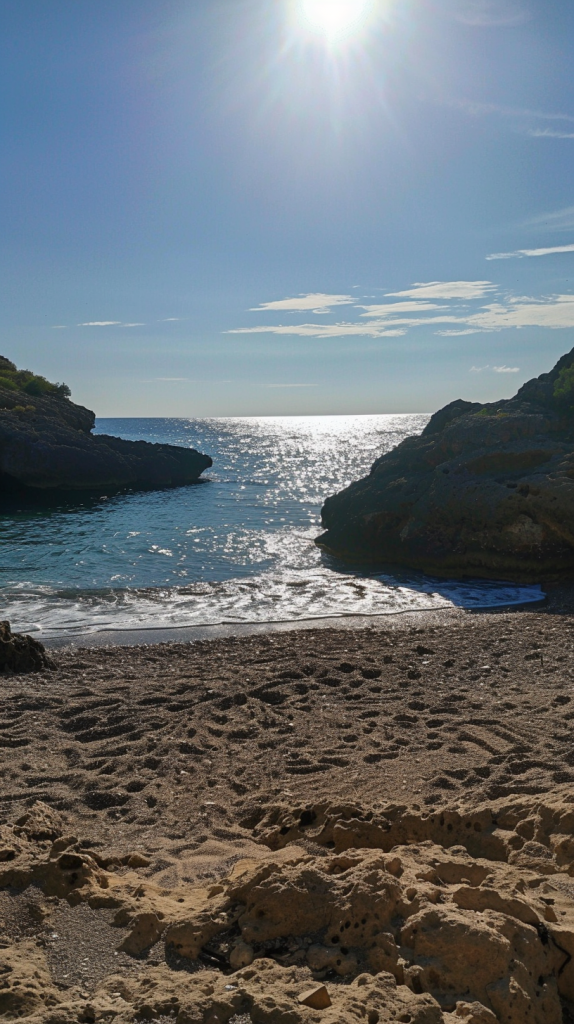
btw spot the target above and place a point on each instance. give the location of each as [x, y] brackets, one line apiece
[235, 548]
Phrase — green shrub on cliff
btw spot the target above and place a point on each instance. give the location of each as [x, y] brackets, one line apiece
[564, 387]
[30, 383]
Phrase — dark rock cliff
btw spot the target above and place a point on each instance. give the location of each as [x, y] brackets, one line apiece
[46, 444]
[21, 653]
[485, 490]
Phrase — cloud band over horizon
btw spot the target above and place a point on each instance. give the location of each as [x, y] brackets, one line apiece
[461, 306]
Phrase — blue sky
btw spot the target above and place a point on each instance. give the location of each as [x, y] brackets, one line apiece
[223, 207]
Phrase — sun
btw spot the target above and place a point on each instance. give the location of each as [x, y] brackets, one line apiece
[335, 19]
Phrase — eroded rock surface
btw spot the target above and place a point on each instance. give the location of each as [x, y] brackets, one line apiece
[21, 653]
[348, 915]
[46, 444]
[486, 490]
[210, 832]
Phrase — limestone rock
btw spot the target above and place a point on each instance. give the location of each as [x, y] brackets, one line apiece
[435, 919]
[321, 958]
[21, 653]
[486, 490]
[137, 860]
[241, 956]
[474, 1013]
[46, 444]
[146, 929]
[26, 987]
[40, 822]
[317, 998]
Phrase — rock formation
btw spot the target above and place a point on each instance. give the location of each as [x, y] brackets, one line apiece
[486, 490]
[347, 915]
[21, 653]
[46, 444]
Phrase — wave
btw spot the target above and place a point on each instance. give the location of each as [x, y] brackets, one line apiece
[267, 598]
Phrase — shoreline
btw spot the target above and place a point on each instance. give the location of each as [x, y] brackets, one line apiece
[150, 635]
[556, 597]
[189, 634]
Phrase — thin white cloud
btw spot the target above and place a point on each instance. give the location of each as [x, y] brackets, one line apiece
[317, 302]
[477, 109]
[447, 290]
[59, 327]
[459, 334]
[548, 133]
[494, 369]
[490, 13]
[169, 319]
[391, 308]
[520, 253]
[502, 312]
[557, 220]
[555, 312]
[180, 380]
[109, 323]
[376, 329]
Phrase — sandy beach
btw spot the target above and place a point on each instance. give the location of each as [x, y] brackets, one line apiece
[168, 767]
[345, 712]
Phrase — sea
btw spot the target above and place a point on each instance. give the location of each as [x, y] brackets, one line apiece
[235, 549]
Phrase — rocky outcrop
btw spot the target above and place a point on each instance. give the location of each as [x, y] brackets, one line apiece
[486, 490]
[21, 653]
[386, 916]
[46, 444]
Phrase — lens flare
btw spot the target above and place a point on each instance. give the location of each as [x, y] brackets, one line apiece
[335, 19]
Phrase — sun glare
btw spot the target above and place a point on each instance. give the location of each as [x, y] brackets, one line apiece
[335, 19]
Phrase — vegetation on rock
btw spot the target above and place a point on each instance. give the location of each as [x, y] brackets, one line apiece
[564, 387]
[46, 444]
[13, 379]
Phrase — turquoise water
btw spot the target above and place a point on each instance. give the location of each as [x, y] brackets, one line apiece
[236, 548]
